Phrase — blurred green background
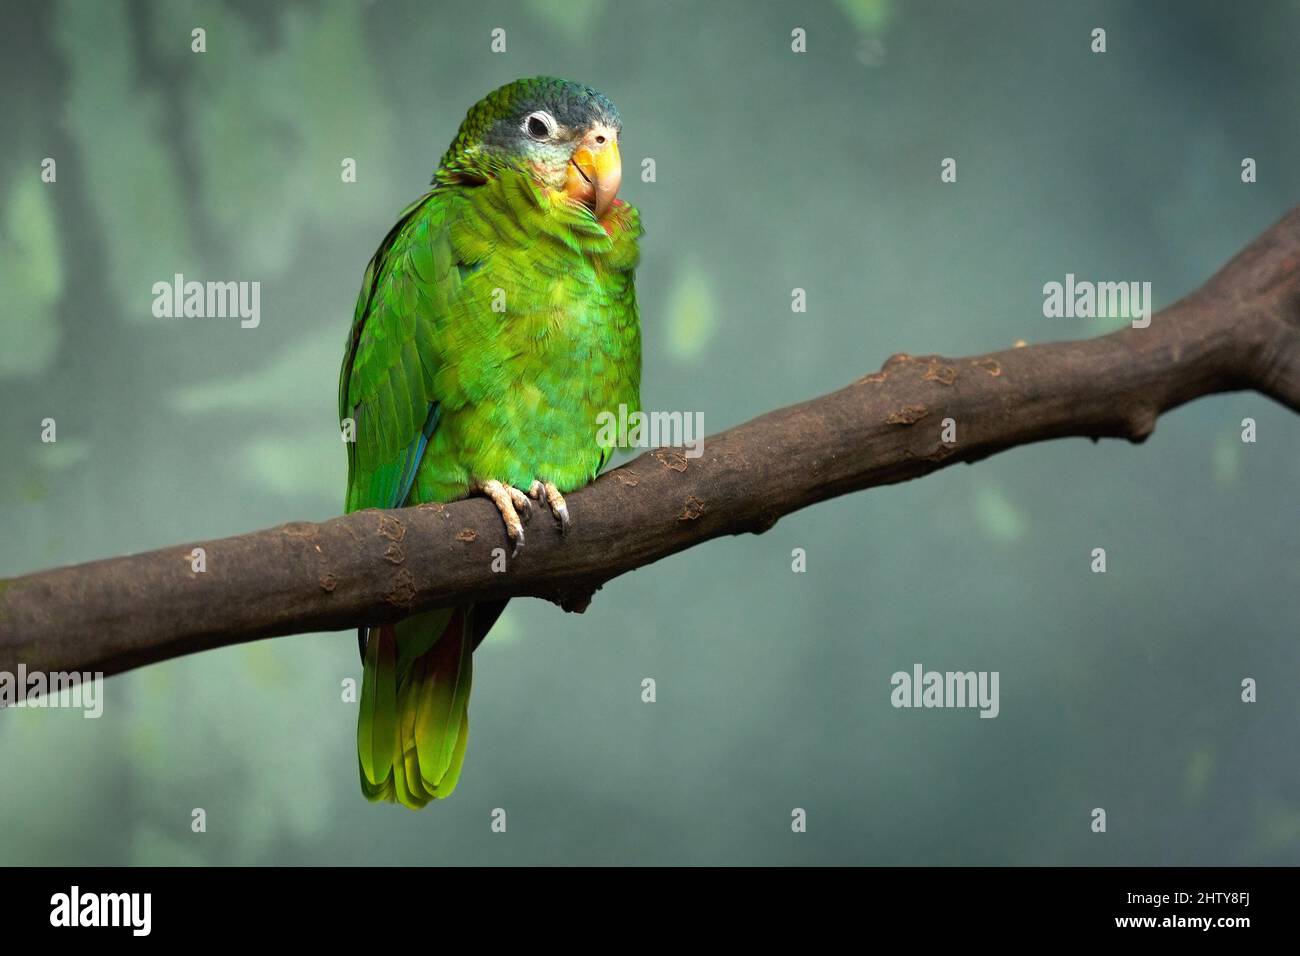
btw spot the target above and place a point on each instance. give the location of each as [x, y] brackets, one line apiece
[774, 171]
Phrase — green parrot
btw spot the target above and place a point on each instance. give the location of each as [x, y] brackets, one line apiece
[496, 322]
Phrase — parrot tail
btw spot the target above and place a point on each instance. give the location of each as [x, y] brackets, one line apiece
[414, 718]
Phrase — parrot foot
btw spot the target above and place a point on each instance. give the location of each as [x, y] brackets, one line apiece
[546, 491]
[514, 506]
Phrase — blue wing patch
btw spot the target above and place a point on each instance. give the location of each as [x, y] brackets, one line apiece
[415, 454]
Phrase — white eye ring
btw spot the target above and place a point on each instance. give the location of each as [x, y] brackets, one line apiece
[540, 124]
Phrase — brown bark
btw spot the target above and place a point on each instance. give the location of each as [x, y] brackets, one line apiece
[1241, 330]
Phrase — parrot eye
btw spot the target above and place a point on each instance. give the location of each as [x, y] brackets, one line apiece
[540, 125]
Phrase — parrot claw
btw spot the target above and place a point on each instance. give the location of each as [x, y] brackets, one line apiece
[520, 500]
[545, 490]
[510, 501]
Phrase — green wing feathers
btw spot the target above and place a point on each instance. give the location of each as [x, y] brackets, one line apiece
[387, 381]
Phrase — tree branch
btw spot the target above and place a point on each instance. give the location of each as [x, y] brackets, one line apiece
[1241, 330]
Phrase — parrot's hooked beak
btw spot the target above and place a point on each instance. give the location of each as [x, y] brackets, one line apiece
[595, 170]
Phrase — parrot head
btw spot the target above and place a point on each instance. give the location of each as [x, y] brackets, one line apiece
[563, 134]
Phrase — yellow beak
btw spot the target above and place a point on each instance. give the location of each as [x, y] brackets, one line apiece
[595, 171]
